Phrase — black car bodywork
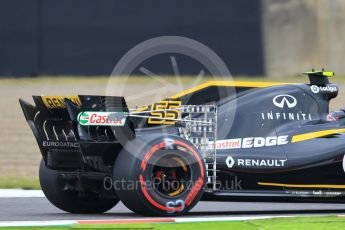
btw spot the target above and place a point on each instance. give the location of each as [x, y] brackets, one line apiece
[274, 141]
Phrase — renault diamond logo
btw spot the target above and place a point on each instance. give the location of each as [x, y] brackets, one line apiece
[284, 100]
[230, 161]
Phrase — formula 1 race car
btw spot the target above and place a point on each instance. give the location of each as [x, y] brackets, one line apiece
[217, 141]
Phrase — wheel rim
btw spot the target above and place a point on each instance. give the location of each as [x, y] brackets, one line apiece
[170, 176]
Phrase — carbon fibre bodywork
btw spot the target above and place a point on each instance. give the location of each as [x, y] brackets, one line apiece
[274, 141]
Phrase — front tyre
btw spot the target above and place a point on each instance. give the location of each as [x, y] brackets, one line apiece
[159, 176]
[69, 201]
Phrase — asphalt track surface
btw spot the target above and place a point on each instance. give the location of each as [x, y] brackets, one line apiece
[38, 209]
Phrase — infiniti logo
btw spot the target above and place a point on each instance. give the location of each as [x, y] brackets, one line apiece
[285, 100]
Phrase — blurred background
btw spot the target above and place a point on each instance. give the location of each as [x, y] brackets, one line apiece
[70, 47]
[87, 37]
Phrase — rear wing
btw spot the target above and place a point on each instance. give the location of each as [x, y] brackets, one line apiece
[54, 121]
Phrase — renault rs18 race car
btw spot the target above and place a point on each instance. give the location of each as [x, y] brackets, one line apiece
[220, 140]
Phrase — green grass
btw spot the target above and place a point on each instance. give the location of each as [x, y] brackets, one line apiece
[12, 181]
[305, 223]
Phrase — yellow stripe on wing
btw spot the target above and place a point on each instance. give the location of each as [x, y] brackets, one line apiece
[312, 135]
[56, 102]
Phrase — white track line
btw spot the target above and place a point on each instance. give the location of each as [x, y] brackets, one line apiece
[36, 223]
[19, 193]
[128, 221]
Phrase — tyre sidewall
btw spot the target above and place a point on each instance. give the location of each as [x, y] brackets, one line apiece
[146, 200]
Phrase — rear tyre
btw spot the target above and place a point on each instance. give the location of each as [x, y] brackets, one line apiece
[69, 201]
[159, 176]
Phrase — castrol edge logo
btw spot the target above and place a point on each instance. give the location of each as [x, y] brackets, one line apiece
[249, 142]
[101, 118]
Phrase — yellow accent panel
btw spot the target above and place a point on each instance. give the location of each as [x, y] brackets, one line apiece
[222, 83]
[228, 83]
[56, 102]
[308, 136]
[302, 185]
[328, 74]
[166, 109]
